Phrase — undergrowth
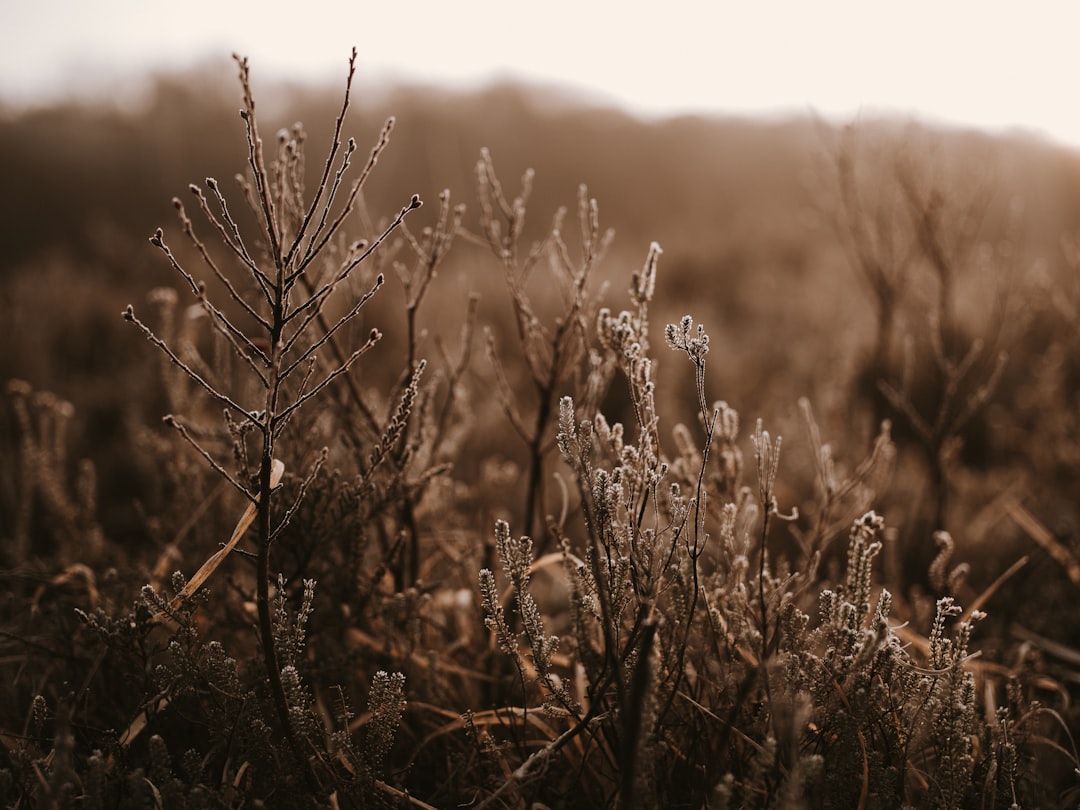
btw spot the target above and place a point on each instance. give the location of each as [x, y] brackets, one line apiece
[340, 609]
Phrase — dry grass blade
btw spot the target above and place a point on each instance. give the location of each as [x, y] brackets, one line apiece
[136, 727]
[984, 597]
[219, 556]
[1054, 648]
[1041, 535]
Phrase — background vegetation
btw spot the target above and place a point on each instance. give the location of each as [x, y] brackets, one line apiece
[742, 621]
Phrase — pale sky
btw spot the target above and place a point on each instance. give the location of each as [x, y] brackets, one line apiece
[990, 64]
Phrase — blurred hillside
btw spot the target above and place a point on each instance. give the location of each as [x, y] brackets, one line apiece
[748, 212]
[726, 198]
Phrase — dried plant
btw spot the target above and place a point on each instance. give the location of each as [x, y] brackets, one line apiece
[894, 224]
[42, 422]
[676, 625]
[282, 292]
[552, 350]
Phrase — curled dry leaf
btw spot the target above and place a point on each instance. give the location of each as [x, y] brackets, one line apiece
[208, 567]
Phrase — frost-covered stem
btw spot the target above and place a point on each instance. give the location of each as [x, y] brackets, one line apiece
[262, 564]
[535, 486]
[262, 598]
[761, 586]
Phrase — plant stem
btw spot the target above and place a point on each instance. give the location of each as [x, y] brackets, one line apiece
[535, 486]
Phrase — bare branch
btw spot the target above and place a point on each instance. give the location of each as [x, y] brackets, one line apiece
[373, 338]
[257, 162]
[198, 288]
[324, 454]
[318, 297]
[329, 333]
[129, 315]
[324, 234]
[180, 428]
[335, 145]
[504, 391]
[189, 230]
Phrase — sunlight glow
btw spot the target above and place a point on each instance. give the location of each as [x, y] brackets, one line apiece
[989, 65]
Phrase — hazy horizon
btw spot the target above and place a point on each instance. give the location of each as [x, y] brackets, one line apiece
[964, 65]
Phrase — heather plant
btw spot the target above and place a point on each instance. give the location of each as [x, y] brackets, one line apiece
[552, 350]
[287, 284]
[42, 423]
[282, 311]
[333, 617]
[893, 231]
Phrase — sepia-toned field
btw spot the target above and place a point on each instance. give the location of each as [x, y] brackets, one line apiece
[488, 449]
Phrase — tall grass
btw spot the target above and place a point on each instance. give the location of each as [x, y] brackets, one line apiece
[343, 608]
